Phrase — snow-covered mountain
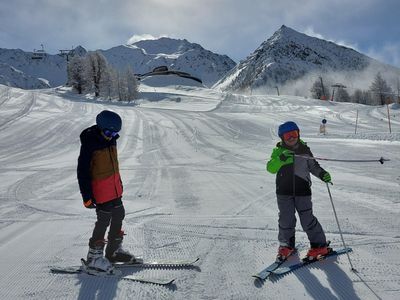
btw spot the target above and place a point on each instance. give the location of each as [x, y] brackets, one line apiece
[13, 77]
[289, 55]
[29, 72]
[176, 54]
[143, 56]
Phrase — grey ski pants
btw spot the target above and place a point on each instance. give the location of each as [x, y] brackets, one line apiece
[288, 205]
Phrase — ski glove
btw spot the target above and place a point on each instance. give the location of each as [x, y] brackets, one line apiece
[286, 154]
[279, 158]
[325, 176]
[89, 203]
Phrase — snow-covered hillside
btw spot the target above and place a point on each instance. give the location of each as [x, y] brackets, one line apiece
[52, 68]
[143, 56]
[176, 54]
[10, 76]
[289, 55]
[195, 185]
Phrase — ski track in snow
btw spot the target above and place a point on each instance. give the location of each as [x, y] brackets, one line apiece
[195, 185]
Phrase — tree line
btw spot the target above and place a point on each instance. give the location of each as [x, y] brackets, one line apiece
[379, 92]
[93, 74]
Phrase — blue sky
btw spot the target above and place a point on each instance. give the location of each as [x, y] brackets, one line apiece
[235, 28]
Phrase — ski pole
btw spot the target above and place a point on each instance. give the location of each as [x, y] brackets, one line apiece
[381, 160]
[340, 230]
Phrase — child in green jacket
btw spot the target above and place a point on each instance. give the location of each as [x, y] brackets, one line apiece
[292, 163]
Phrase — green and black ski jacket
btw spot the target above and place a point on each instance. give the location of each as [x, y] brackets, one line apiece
[293, 175]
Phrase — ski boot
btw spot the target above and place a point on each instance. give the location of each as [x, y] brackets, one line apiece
[317, 253]
[284, 252]
[116, 254]
[96, 263]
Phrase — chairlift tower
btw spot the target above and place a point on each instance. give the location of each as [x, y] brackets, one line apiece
[67, 53]
[337, 86]
[323, 96]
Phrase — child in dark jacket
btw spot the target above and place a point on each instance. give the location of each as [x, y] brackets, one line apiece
[292, 163]
[101, 188]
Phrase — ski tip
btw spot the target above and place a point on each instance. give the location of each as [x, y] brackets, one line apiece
[170, 281]
[341, 251]
[157, 281]
[66, 270]
[259, 278]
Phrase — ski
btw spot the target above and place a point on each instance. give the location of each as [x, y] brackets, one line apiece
[80, 270]
[262, 275]
[178, 263]
[158, 281]
[83, 269]
[174, 263]
[67, 270]
[285, 270]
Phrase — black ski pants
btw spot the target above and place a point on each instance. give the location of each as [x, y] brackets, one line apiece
[111, 214]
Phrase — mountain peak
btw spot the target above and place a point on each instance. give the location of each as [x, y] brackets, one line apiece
[286, 30]
[289, 55]
[284, 34]
[79, 51]
[166, 45]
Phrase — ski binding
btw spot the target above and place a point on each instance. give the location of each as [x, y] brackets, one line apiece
[285, 270]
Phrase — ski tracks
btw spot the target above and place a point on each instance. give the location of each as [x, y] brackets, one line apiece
[15, 100]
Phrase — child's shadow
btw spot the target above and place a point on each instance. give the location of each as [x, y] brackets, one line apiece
[340, 283]
[338, 280]
[341, 286]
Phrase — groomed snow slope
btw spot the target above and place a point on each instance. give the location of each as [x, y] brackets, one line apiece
[195, 185]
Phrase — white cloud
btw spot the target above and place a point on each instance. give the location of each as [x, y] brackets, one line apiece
[142, 37]
[311, 32]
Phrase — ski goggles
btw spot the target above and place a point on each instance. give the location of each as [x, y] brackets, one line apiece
[110, 133]
[291, 134]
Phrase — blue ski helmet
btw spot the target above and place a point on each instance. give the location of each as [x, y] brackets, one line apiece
[323, 121]
[286, 127]
[109, 120]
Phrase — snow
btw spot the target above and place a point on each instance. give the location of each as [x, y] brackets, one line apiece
[195, 185]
